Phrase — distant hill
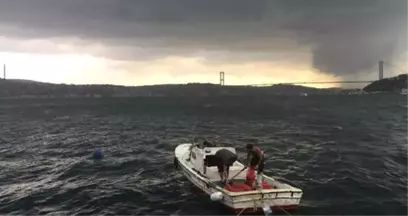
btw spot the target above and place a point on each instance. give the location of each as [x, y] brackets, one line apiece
[28, 89]
[393, 84]
[22, 81]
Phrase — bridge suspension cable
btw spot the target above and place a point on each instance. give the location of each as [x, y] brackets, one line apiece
[380, 71]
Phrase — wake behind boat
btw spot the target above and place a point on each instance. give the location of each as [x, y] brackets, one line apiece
[198, 164]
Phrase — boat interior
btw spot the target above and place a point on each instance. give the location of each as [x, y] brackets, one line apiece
[238, 183]
[204, 160]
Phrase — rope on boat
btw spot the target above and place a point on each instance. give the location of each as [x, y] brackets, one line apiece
[241, 212]
[285, 211]
[262, 199]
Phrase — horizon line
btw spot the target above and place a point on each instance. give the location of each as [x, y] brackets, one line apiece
[193, 83]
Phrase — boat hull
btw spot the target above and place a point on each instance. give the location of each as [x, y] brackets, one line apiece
[238, 202]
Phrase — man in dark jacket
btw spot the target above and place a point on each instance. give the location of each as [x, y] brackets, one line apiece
[225, 159]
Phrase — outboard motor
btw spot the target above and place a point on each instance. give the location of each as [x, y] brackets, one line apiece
[267, 210]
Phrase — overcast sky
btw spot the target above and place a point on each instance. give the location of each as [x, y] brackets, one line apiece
[136, 42]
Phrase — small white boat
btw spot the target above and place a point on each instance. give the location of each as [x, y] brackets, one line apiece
[197, 163]
[404, 92]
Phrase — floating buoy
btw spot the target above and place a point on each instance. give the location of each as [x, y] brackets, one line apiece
[98, 154]
[217, 196]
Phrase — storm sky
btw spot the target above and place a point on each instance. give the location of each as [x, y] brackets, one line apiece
[136, 42]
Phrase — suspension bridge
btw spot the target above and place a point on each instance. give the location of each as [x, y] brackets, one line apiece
[380, 76]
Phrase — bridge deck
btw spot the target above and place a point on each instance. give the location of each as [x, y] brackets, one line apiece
[317, 82]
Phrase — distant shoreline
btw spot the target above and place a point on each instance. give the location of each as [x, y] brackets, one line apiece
[32, 89]
[15, 89]
[391, 84]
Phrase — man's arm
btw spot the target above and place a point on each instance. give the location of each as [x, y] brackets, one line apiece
[261, 155]
[248, 159]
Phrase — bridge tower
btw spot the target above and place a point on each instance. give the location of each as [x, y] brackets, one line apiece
[222, 78]
[380, 70]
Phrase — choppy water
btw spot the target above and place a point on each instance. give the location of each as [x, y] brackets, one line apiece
[348, 153]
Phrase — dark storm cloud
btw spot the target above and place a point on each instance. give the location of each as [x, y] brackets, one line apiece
[346, 36]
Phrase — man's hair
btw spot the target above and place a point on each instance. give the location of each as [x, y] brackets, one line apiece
[249, 146]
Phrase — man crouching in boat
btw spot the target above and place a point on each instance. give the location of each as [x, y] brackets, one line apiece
[225, 159]
[255, 158]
